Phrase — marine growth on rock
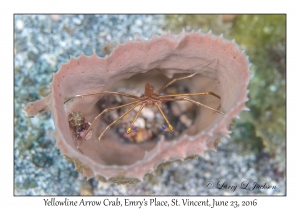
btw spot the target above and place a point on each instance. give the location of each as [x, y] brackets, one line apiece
[127, 158]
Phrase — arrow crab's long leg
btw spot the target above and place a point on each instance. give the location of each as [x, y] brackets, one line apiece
[102, 92]
[136, 116]
[190, 94]
[181, 78]
[164, 116]
[99, 115]
[195, 102]
[139, 103]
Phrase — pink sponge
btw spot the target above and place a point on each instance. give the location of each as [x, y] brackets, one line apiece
[159, 59]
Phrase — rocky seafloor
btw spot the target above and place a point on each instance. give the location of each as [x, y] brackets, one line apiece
[44, 42]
